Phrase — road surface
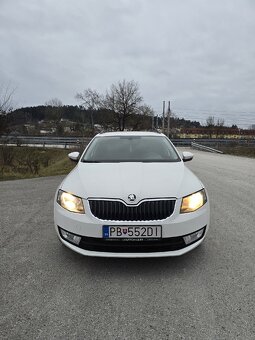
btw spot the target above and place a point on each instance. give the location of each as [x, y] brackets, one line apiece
[50, 292]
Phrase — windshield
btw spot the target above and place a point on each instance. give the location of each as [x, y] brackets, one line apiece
[131, 149]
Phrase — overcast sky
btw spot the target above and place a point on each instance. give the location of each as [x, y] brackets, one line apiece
[200, 54]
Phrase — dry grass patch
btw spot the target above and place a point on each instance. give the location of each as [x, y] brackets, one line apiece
[29, 162]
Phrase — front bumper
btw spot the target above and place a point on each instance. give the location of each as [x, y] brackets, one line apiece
[173, 230]
[133, 255]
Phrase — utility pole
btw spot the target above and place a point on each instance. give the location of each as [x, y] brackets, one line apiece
[152, 122]
[163, 118]
[168, 119]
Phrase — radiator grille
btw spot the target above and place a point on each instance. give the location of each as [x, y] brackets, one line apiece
[118, 211]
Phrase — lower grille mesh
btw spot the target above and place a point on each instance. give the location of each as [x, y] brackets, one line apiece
[120, 246]
[118, 211]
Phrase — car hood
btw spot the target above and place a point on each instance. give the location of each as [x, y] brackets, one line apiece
[118, 180]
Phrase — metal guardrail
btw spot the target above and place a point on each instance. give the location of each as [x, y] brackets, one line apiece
[204, 148]
[75, 141]
[44, 141]
[213, 141]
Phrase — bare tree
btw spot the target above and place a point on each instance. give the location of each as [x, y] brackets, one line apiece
[220, 122]
[55, 102]
[210, 121]
[219, 125]
[6, 99]
[123, 99]
[146, 110]
[6, 105]
[144, 118]
[91, 100]
[55, 111]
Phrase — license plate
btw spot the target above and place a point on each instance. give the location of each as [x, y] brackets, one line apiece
[132, 232]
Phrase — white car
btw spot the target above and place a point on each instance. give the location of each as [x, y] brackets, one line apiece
[131, 195]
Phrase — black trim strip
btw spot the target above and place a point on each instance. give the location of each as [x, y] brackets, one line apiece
[134, 246]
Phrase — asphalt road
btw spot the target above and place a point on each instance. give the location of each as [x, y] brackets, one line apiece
[50, 292]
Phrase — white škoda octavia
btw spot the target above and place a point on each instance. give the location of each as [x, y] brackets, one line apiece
[131, 195]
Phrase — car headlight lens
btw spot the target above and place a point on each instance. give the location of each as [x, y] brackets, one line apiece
[193, 202]
[70, 202]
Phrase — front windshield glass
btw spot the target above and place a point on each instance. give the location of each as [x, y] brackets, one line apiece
[130, 149]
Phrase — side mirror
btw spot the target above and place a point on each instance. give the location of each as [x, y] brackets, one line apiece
[74, 156]
[187, 156]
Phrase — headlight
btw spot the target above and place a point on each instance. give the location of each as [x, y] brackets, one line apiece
[193, 202]
[70, 202]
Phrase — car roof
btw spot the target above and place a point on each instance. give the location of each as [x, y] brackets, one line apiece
[129, 133]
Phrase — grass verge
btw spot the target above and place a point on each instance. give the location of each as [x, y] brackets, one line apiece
[240, 150]
[29, 162]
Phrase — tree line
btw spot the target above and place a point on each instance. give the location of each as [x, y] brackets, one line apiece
[120, 107]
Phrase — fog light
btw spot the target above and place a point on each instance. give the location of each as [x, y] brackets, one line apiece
[194, 236]
[70, 237]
